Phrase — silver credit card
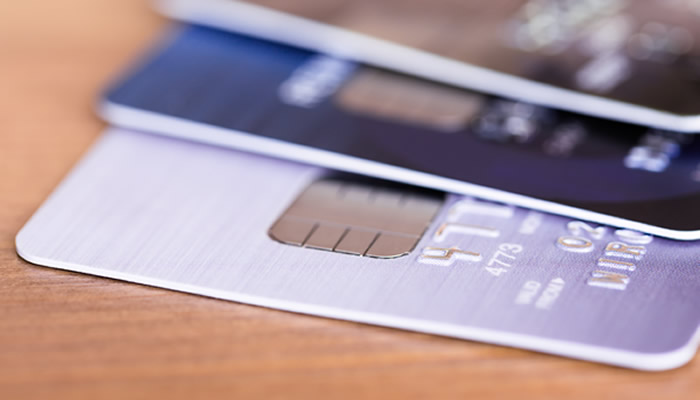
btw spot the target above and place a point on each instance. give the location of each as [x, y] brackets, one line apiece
[632, 61]
[246, 228]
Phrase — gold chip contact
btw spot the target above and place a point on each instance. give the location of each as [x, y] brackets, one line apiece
[348, 216]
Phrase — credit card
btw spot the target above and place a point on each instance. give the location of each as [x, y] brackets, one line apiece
[242, 227]
[237, 91]
[633, 61]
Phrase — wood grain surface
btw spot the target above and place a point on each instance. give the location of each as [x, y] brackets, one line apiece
[66, 335]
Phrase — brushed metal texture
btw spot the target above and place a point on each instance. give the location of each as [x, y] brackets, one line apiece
[195, 218]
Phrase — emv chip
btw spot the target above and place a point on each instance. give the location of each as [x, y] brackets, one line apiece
[365, 218]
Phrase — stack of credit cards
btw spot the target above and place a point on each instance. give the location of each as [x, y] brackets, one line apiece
[523, 173]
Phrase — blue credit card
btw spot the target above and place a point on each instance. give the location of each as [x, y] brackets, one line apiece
[242, 227]
[241, 92]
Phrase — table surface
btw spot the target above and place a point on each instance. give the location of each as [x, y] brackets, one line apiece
[67, 335]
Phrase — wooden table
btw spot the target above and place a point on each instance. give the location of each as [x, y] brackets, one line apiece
[66, 335]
